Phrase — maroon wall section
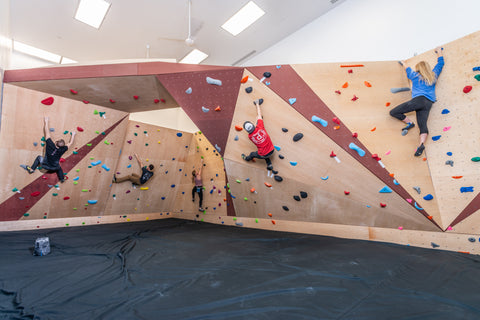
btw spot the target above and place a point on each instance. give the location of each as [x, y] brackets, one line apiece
[215, 125]
[285, 82]
[13, 208]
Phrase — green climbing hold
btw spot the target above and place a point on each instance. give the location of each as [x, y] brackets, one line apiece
[75, 182]
[26, 214]
[74, 208]
[234, 219]
[14, 189]
[83, 222]
[145, 132]
[54, 194]
[246, 199]
[95, 111]
[75, 152]
[78, 170]
[477, 77]
[91, 158]
[84, 190]
[103, 133]
[67, 224]
[106, 142]
[89, 144]
[42, 144]
[43, 139]
[44, 217]
[476, 159]
[238, 181]
[135, 134]
[65, 132]
[146, 144]
[256, 220]
[97, 132]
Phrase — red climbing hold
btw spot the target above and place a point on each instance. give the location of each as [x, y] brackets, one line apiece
[163, 100]
[350, 71]
[430, 217]
[61, 160]
[156, 100]
[338, 92]
[467, 89]
[73, 91]
[112, 101]
[346, 192]
[273, 221]
[376, 157]
[387, 104]
[332, 155]
[383, 205]
[66, 198]
[86, 101]
[336, 120]
[47, 101]
[35, 194]
[244, 79]
[218, 108]
[355, 98]
[79, 129]
[355, 135]
[135, 97]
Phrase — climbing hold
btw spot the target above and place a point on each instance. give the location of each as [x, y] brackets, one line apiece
[376, 157]
[466, 189]
[267, 83]
[417, 189]
[449, 162]
[277, 148]
[66, 198]
[467, 89]
[416, 206]
[355, 135]
[86, 101]
[96, 162]
[112, 101]
[324, 178]
[293, 163]
[471, 239]
[249, 89]
[79, 129]
[278, 178]
[48, 101]
[244, 79]
[387, 104]
[135, 97]
[447, 128]
[240, 224]
[218, 148]
[252, 190]
[449, 228]
[385, 189]
[297, 137]
[383, 205]
[284, 129]
[238, 128]
[388, 152]
[396, 90]
[428, 197]
[335, 119]
[92, 201]
[285, 208]
[297, 198]
[477, 77]
[373, 129]
[188, 91]
[265, 75]
[205, 109]
[457, 177]
[236, 138]
[268, 185]
[218, 108]
[345, 85]
[436, 138]
[434, 245]
[214, 81]
[332, 155]
[476, 159]
[292, 100]
[338, 92]
[280, 156]
[73, 91]
[367, 84]
[238, 181]
[105, 167]
[319, 120]
[346, 192]
[303, 194]
[445, 111]
[353, 146]
[156, 100]
[395, 182]
[179, 134]
[355, 98]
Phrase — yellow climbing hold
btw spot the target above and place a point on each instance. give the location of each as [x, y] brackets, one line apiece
[159, 142]
[143, 188]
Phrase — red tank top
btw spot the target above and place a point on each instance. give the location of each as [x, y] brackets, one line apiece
[261, 139]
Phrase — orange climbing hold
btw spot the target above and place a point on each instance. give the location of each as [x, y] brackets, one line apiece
[351, 65]
[218, 108]
[367, 84]
[270, 215]
[244, 79]
[336, 127]
[268, 184]
[238, 128]
[252, 190]
[373, 129]
[345, 85]
[430, 217]
[273, 221]
[392, 175]
[457, 177]
[387, 104]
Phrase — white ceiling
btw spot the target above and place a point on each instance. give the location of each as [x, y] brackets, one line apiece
[131, 25]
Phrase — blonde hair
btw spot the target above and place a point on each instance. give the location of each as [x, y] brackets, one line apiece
[425, 71]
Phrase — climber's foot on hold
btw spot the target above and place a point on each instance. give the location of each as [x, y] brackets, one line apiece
[419, 151]
[409, 126]
[269, 167]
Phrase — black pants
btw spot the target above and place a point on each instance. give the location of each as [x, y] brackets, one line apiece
[421, 105]
[255, 154]
[198, 190]
[39, 162]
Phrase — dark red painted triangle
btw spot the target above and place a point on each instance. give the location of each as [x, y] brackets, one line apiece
[13, 208]
[286, 83]
[215, 125]
[470, 209]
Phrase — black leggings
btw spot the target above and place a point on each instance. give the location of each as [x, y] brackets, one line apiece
[255, 154]
[39, 162]
[198, 190]
[421, 105]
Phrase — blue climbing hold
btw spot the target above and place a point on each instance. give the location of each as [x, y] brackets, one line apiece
[416, 206]
[449, 153]
[436, 138]
[466, 189]
[76, 178]
[319, 120]
[324, 178]
[353, 146]
[236, 138]
[395, 182]
[129, 166]
[293, 163]
[188, 91]
[428, 197]
[163, 198]
[96, 163]
[267, 83]
[445, 111]
[292, 100]
[179, 134]
[104, 166]
[277, 148]
[204, 110]
[278, 67]
[248, 179]
[172, 186]
[92, 201]
[385, 189]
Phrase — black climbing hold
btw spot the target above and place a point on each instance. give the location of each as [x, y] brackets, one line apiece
[284, 129]
[255, 202]
[280, 156]
[206, 148]
[274, 171]
[285, 208]
[298, 136]
[297, 198]
[249, 89]
[471, 239]
[278, 178]
[197, 215]
[267, 74]
[434, 245]
[303, 194]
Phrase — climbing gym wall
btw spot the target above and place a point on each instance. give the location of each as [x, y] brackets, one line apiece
[341, 166]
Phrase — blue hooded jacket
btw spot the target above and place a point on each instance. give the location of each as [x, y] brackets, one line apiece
[420, 87]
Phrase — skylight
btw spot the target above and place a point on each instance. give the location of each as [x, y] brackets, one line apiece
[39, 53]
[194, 57]
[243, 18]
[92, 12]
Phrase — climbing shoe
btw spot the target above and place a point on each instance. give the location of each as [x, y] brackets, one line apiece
[201, 209]
[243, 156]
[114, 179]
[419, 151]
[409, 126]
[269, 167]
[29, 169]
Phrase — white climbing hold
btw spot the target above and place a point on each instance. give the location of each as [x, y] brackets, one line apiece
[188, 91]
[214, 81]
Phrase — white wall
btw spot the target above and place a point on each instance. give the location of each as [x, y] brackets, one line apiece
[375, 30]
[174, 118]
[5, 41]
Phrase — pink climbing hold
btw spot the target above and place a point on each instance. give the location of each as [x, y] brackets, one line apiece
[163, 100]
[129, 141]
[449, 228]
[400, 228]
[48, 101]
[447, 128]
[86, 101]
[409, 200]
[79, 129]
[128, 191]
[130, 157]
[388, 152]
[467, 89]
[73, 91]
[35, 193]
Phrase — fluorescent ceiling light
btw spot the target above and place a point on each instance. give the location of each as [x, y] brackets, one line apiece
[194, 57]
[67, 61]
[92, 12]
[243, 18]
[39, 53]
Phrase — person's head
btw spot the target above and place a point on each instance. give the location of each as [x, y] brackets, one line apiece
[424, 69]
[194, 173]
[151, 167]
[248, 126]
[60, 143]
